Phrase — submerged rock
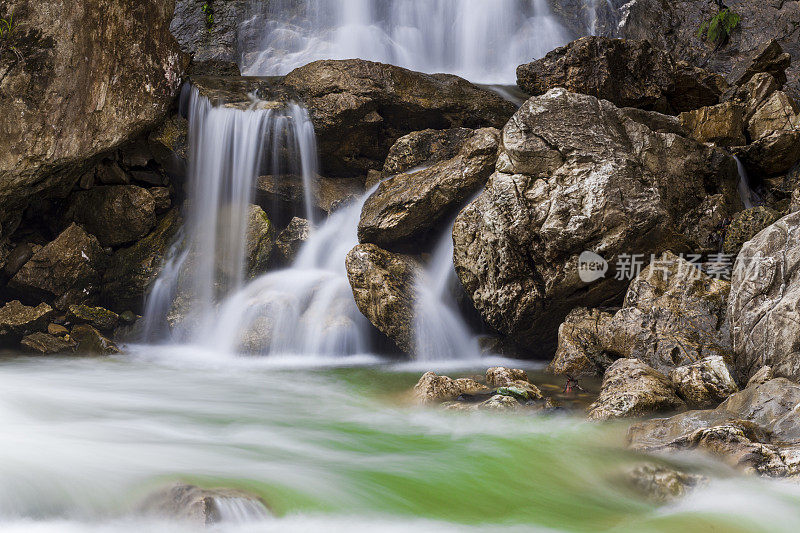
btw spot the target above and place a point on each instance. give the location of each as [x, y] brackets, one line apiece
[68, 268]
[628, 73]
[575, 174]
[408, 206]
[47, 344]
[764, 304]
[383, 288]
[259, 242]
[662, 484]
[203, 506]
[630, 389]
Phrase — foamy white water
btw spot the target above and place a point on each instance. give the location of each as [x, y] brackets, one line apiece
[483, 41]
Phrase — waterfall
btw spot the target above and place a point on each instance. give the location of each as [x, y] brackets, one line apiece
[228, 149]
[746, 193]
[440, 332]
[306, 309]
[481, 40]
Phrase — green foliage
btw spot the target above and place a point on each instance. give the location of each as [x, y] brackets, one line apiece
[718, 29]
[208, 11]
[7, 27]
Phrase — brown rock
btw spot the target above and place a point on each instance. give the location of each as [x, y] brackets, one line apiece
[91, 342]
[704, 384]
[580, 348]
[46, 344]
[722, 124]
[98, 317]
[116, 215]
[17, 320]
[432, 388]
[292, 238]
[499, 376]
[424, 148]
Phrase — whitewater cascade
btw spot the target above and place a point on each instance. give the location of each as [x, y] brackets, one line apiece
[480, 40]
[228, 149]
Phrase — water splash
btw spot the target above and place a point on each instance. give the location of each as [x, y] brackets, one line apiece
[228, 149]
[479, 40]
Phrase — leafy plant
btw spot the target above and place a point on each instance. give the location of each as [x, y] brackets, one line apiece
[718, 28]
[208, 11]
[7, 27]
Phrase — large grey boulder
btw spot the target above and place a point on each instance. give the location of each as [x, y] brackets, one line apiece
[630, 389]
[407, 207]
[102, 71]
[705, 383]
[764, 304]
[576, 174]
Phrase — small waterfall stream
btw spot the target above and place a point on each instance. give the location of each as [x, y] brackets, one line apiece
[483, 41]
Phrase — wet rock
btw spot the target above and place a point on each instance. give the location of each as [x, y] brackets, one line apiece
[630, 389]
[765, 301]
[580, 348]
[662, 484]
[432, 388]
[657, 122]
[170, 148]
[408, 206]
[383, 288]
[100, 87]
[772, 155]
[57, 330]
[68, 268]
[91, 342]
[499, 376]
[611, 184]
[360, 108]
[500, 403]
[291, 239]
[722, 124]
[202, 506]
[627, 73]
[424, 148]
[746, 225]
[704, 384]
[131, 270]
[20, 255]
[284, 196]
[98, 317]
[212, 42]
[108, 172]
[260, 241]
[116, 215]
[162, 198]
[17, 320]
[47, 344]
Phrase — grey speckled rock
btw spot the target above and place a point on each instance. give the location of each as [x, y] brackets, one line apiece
[764, 304]
[631, 388]
[612, 186]
[705, 383]
[432, 388]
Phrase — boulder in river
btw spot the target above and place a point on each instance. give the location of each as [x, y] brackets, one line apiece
[575, 175]
[407, 207]
[91, 342]
[204, 506]
[632, 389]
[705, 383]
[17, 320]
[432, 388]
[47, 344]
[292, 238]
[628, 73]
[383, 288]
[98, 317]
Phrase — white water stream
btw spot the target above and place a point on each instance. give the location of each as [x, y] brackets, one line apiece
[480, 40]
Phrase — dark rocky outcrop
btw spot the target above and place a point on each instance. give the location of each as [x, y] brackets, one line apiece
[407, 207]
[746, 225]
[628, 73]
[46, 344]
[97, 317]
[383, 288]
[68, 269]
[574, 174]
[131, 270]
[116, 215]
[101, 87]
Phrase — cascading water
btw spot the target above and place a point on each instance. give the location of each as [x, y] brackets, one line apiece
[483, 41]
[229, 148]
[746, 193]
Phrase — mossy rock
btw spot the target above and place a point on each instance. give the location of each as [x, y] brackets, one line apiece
[746, 225]
[99, 317]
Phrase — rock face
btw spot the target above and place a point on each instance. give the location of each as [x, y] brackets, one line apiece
[129, 68]
[408, 206]
[746, 225]
[626, 72]
[131, 270]
[704, 384]
[576, 174]
[68, 268]
[765, 301]
[674, 26]
[260, 241]
[360, 108]
[383, 288]
[722, 124]
[673, 315]
[756, 429]
[631, 388]
[116, 214]
[207, 39]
